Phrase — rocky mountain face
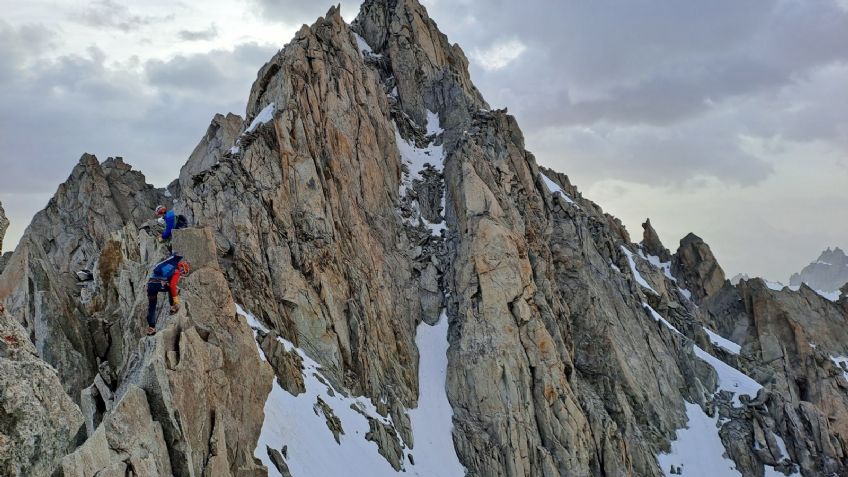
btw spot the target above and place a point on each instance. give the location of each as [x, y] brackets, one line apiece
[828, 273]
[385, 282]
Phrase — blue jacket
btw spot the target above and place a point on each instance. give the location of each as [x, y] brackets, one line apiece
[165, 269]
[170, 223]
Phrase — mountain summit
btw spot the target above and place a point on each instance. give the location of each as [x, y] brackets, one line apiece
[828, 273]
[385, 282]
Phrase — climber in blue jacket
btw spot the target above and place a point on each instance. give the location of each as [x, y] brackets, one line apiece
[172, 222]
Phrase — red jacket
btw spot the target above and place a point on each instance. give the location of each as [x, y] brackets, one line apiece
[172, 285]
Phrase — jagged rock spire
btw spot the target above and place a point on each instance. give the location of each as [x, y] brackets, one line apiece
[696, 265]
[429, 72]
[652, 243]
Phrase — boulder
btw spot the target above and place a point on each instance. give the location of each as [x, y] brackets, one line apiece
[197, 245]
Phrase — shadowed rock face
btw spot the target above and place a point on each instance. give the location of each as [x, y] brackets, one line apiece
[570, 353]
[218, 140]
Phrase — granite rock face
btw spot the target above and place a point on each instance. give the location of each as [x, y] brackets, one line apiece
[369, 190]
[39, 423]
[218, 140]
[79, 229]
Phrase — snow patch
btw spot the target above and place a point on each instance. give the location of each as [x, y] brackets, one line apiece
[729, 378]
[839, 361]
[636, 274]
[698, 450]
[553, 188]
[312, 450]
[263, 117]
[432, 420]
[725, 343]
[655, 261]
[662, 320]
[364, 48]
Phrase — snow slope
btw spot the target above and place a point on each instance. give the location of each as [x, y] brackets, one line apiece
[729, 378]
[295, 421]
[698, 450]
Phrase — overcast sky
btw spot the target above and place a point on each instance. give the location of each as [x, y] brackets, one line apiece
[724, 118]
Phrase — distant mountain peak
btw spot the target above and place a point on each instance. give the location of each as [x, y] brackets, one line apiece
[828, 273]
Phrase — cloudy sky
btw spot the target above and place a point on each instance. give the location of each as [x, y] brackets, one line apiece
[724, 118]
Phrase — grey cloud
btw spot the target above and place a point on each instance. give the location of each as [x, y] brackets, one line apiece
[680, 157]
[296, 12]
[111, 14]
[199, 35]
[627, 58]
[151, 115]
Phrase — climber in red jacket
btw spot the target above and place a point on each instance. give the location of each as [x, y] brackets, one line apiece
[166, 274]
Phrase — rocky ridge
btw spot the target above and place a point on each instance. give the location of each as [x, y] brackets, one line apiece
[369, 194]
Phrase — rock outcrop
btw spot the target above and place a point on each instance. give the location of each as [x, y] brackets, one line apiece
[39, 423]
[218, 141]
[652, 244]
[696, 266]
[828, 273]
[4, 224]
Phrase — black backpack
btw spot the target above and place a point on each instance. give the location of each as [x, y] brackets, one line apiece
[181, 222]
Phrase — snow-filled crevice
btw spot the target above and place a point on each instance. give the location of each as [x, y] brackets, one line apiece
[432, 420]
[311, 449]
[415, 160]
